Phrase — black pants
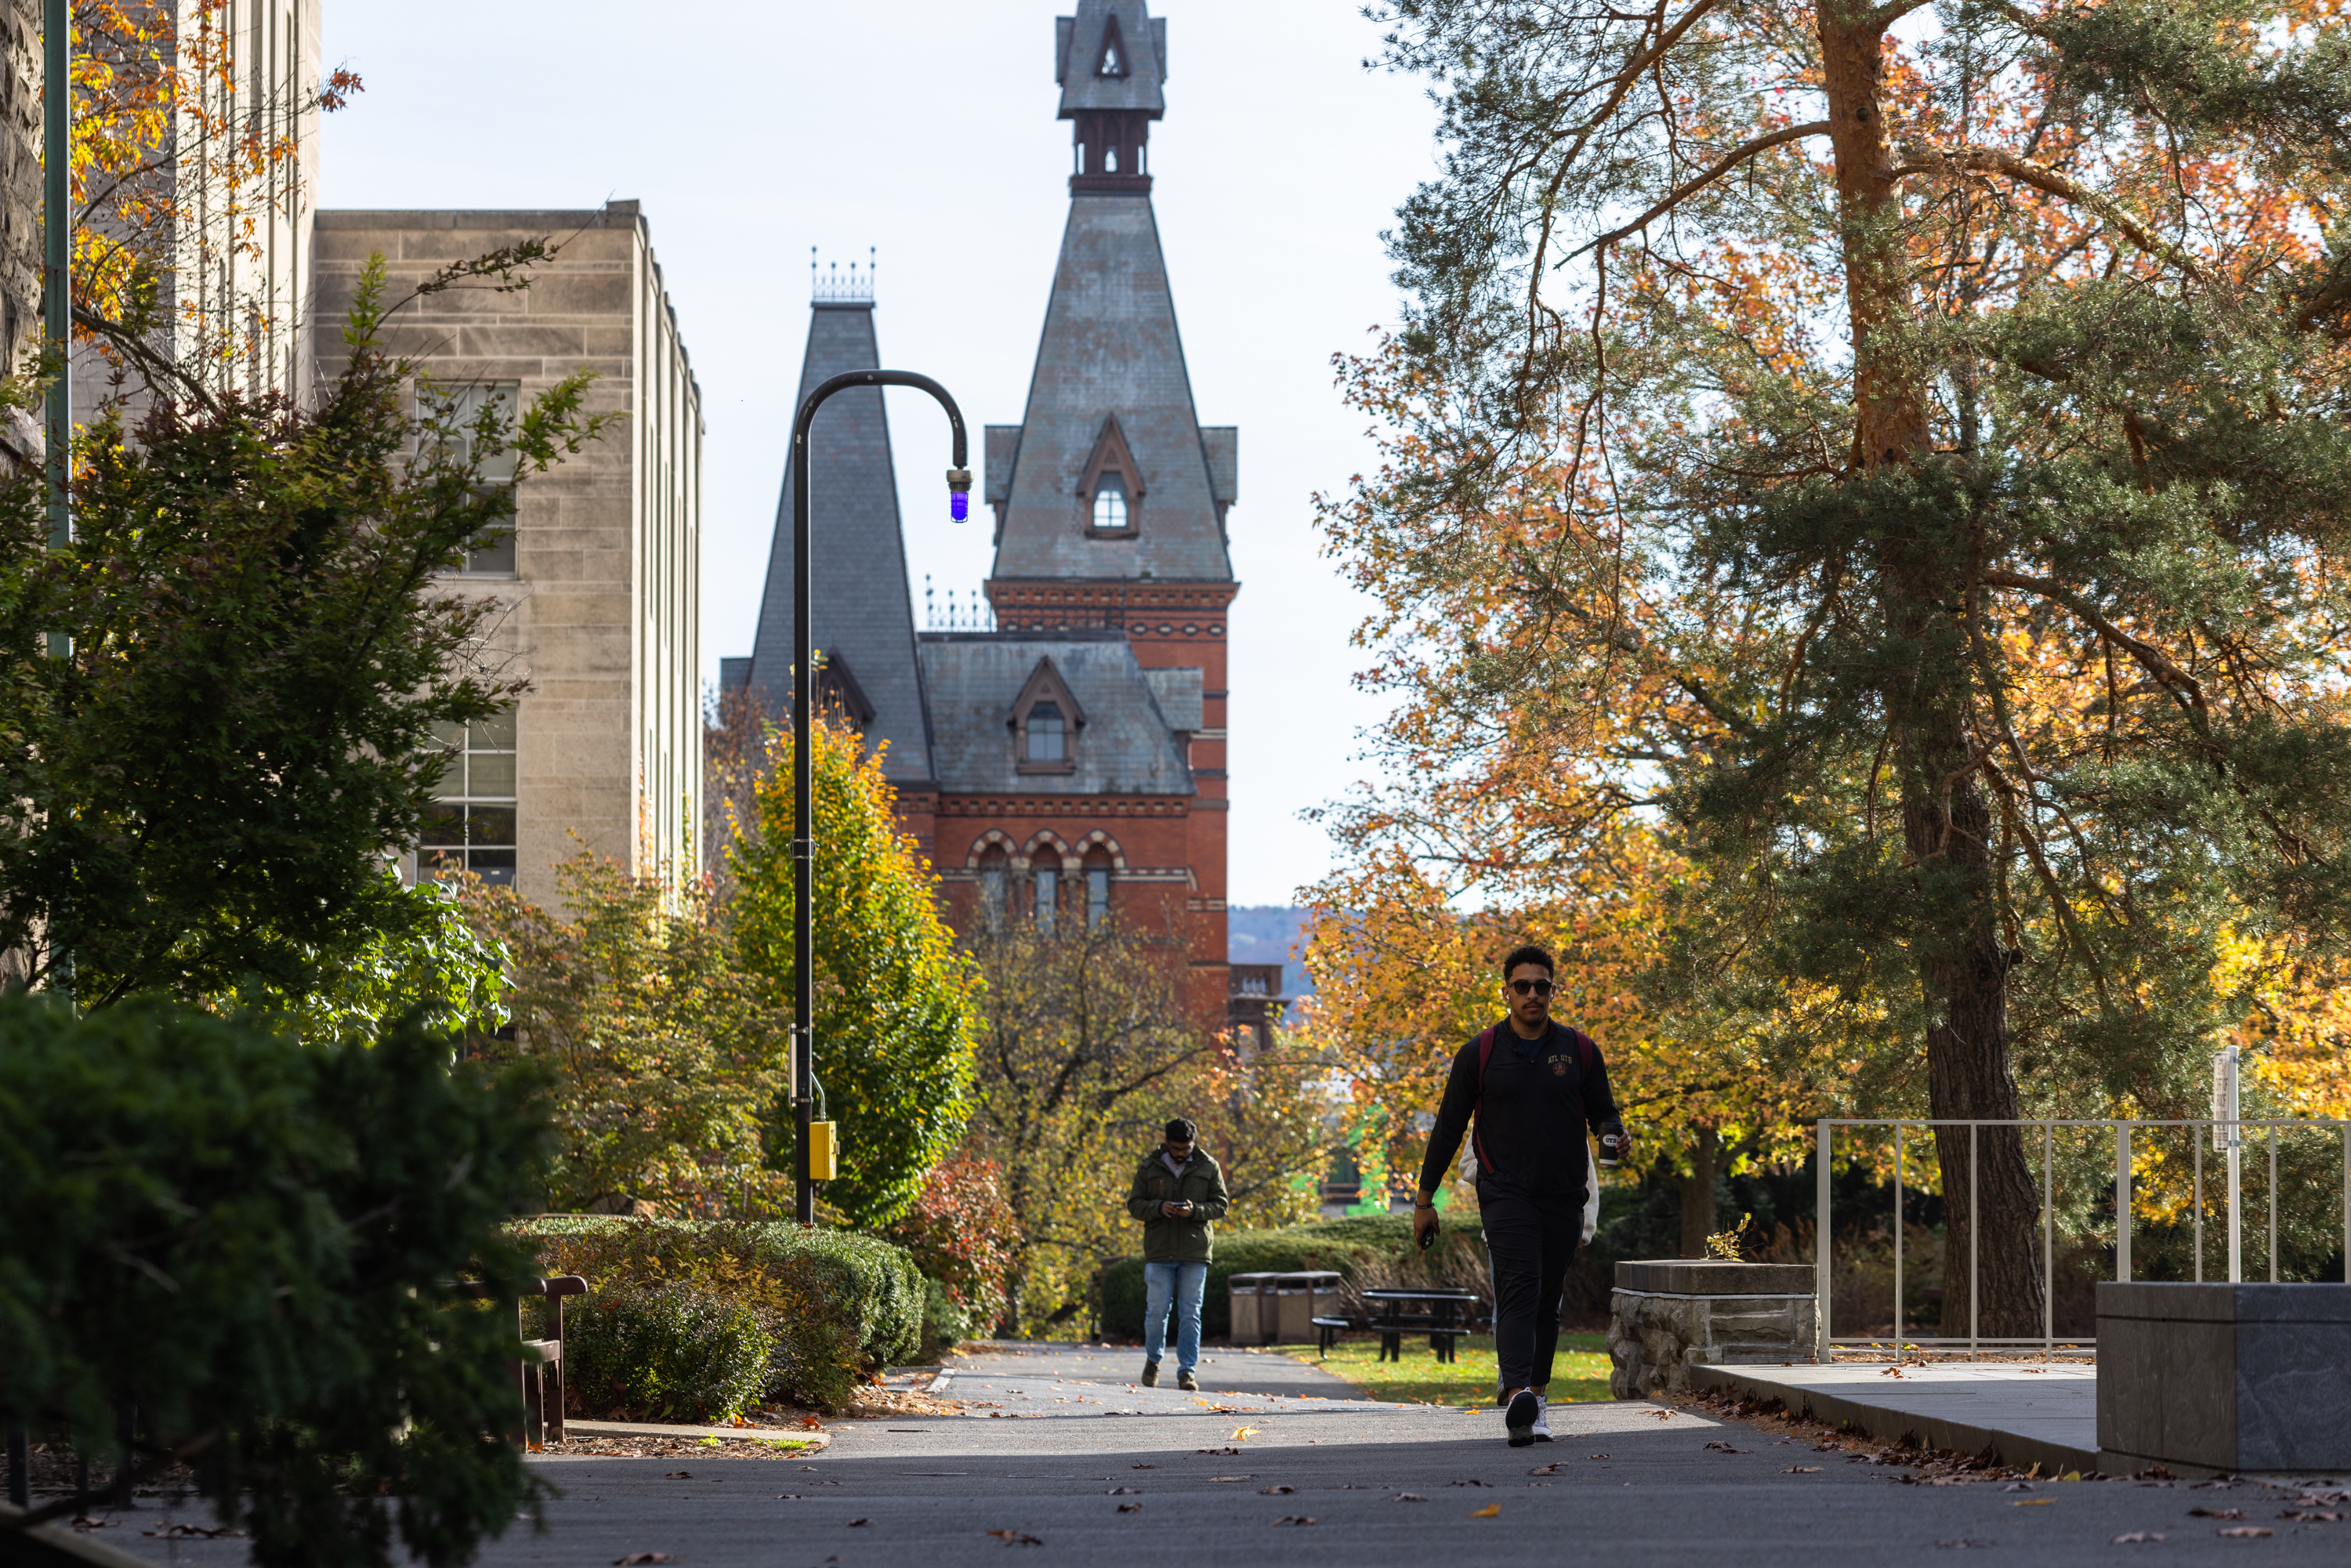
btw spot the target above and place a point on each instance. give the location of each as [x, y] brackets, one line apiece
[1530, 1243]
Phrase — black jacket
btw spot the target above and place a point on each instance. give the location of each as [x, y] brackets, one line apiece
[1537, 1101]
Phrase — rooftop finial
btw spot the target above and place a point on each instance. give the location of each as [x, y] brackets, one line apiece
[834, 286]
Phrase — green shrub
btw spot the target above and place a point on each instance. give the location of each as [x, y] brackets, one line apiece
[944, 1323]
[1373, 1250]
[835, 1306]
[251, 1237]
[674, 1352]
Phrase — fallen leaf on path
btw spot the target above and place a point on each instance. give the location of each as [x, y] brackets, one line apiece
[1232, 1478]
[679, 1476]
[1801, 1471]
[1142, 1466]
[2245, 1532]
[2216, 1513]
[2136, 1538]
[1550, 1470]
[1468, 1483]
[856, 1523]
[1130, 1508]
[1241, 1433]
[1295, 1519]
[641, 1557]
[2019, 1486]
[1491, 1510]
[1228, 1449]
[193, 1531]
[1726, 1448]
[1276, 1491]
[1014, 1538]
[2032, 1502]
[1123, 1491]
[1963, 1541]
[1599, 1456]
[2315, 1515]
[1409, 1497]
[787, 1497]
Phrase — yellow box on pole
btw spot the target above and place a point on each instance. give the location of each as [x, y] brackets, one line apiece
[823, 1151]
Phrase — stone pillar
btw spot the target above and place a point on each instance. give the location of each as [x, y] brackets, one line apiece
[2218, 1378]
[1671, 1314]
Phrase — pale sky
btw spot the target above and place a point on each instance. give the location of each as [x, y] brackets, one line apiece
[926, 129]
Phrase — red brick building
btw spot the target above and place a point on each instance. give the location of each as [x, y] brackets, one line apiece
[1072, 758]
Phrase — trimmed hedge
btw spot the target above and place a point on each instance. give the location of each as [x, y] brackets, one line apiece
[836, 1306]
[1371, 1249]
[673, 1352]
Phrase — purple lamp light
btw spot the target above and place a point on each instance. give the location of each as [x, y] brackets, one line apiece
[959, 497]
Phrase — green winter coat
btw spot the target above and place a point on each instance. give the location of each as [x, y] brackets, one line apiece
[1192, 1239]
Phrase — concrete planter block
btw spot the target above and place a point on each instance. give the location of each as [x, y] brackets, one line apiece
[1671, 1314]
[2205, 1379]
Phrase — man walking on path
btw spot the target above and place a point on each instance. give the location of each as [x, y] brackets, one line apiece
[1533, 1087]
[1179, 1195]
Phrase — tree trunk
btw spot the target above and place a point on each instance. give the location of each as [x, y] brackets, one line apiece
[1926, 566]
[1698, 1192]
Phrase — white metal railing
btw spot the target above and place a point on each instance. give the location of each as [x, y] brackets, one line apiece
[2228, 1134]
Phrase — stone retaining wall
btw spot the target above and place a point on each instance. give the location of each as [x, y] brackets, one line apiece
[1669, 1315]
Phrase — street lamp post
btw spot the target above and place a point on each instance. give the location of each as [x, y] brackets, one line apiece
[804, 751]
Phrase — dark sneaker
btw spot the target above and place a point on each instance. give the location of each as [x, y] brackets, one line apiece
[1518, 1420]
[1151, 1375]
[1186, 1381]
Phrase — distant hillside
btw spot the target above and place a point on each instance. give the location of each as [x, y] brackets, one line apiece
[1270, 934]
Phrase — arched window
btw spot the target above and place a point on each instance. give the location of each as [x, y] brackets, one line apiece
[1048, 735]
[1097, 889]
[1048, 898]
[995, 868]
[1110, 502]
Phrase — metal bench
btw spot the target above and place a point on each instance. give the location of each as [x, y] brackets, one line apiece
[538, 1371]
[1329, 1329]
[1440, 1339]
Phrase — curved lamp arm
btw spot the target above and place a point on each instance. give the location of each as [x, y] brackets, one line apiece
[803, 706]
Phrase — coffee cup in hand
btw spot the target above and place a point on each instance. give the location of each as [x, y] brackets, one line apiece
[1609, 1144]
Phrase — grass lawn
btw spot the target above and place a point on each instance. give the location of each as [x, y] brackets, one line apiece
[1580, 1372]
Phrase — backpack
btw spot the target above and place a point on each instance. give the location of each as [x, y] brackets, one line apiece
[1586, 1055]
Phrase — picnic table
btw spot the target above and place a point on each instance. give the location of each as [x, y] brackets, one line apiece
[1443, 1315]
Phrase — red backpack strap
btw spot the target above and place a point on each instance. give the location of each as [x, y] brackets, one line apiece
[1476, 1112]
[1587, 1052]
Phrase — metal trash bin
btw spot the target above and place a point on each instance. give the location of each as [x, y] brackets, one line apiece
[1252, 1314]
[1297, 1299]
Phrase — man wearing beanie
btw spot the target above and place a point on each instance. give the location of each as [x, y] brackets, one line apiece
[1179, 1195]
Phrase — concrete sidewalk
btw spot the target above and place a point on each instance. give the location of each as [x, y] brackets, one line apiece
[2026, 1414]
[1060, 1460]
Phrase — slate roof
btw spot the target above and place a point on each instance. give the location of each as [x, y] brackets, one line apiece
[864, 611]
[1078, 52]
[1127, 745]
[1110, 347]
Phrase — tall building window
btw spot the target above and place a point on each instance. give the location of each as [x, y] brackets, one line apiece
[457, 428]
[1110, 502]
[1097, 893]
[993, 868]
[1048, 898]
[1047, 734]
[471, 825]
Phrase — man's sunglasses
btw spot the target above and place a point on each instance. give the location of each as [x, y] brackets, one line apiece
[1539, 988]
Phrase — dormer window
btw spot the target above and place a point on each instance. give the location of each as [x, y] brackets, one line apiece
[1045, 722]
[1110, 488]
[1114, 52]
[1048, 735]
[1109, 504]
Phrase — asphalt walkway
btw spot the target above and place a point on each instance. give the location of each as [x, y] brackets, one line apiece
[1062, 1459]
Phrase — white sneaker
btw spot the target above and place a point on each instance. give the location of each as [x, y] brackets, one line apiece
[1542, 1418]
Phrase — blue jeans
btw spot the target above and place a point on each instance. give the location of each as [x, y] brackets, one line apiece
[1183, 1284]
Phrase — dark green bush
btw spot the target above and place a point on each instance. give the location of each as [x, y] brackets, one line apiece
[673, 1352]
[250, 1238]
[1369, 1249]
[834, 1305]
[945, 1324]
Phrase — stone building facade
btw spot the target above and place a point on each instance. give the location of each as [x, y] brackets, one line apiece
[598, 588]
[1073, 758]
